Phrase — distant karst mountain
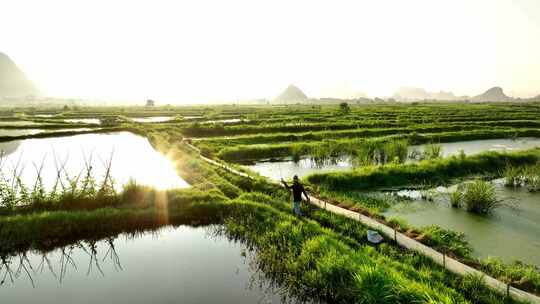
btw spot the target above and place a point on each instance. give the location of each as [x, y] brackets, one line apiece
[495, 94]
[411, 93]
[6, 148]
[13, 82]
[536, 98]
[291, 93]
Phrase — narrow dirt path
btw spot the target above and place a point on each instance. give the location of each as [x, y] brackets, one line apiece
[406, 242]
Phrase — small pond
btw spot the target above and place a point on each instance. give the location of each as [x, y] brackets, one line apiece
[225, 121]
[478, 146]
[174, 265]
[26, 132]
[20, 123]
[153, 119]
[19, 132]
[132, 158]
[83, 120]
[512, 232]
[287, 168]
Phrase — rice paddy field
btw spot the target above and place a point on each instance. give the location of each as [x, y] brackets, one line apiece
[118, 200]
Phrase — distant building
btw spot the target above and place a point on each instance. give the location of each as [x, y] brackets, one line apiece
[150, 103]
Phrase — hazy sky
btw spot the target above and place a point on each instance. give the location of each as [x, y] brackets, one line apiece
[209, 50]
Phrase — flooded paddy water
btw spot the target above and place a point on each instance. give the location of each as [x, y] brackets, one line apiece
[286, 168]
[83, 120]
[174, 265]
[225, 121]
[131, 156]
[276, 170]
[512, 232]
[478, 146]
[25, 132]
[20, 123]
[20, 132]
[152, 119]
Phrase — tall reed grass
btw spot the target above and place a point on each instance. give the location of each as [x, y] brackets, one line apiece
[67, 188]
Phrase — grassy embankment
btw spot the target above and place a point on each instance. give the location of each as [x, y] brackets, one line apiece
[340, 267]
[438, 171]
[352, 147]
[307, 242]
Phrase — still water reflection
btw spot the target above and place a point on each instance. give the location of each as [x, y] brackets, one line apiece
[130, 156]
[152, 119]
[20, 132]
[84, 120]
[175, 265]
[511, 232]
[286, 168]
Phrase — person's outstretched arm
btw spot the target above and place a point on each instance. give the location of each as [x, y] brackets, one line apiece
[285, 184]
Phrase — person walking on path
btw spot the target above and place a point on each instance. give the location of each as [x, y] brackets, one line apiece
[297, 190]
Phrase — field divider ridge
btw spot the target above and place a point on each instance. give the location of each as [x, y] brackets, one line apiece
[404, 241]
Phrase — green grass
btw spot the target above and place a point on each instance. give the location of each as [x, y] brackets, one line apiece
[64, 133]
[350, 146]
[520, 275]
[321, 256]
[479, 197]
[439, 171]
[523, 176]
[311, 261]
[46, 230]
[321, 261]
[432, 151]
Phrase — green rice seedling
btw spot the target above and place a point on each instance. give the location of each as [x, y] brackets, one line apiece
[479, 197]
[396, 149]
[528, 176]
[513, 176]
[366, 153]
[461, 154]
[532, 177]
[297, 152]
[456, 197]
[328, 153]
[378, 152]
[438, 171]
[432, 151]
[534, 184]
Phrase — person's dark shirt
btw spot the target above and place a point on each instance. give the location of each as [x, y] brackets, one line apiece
[297, 190]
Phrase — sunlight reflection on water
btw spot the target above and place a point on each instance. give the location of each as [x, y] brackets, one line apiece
[132, 158]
